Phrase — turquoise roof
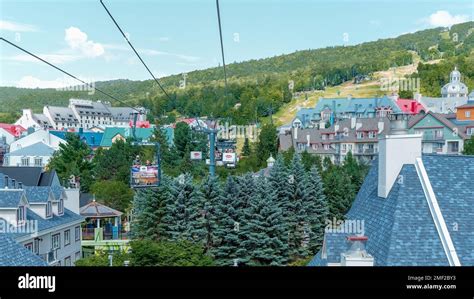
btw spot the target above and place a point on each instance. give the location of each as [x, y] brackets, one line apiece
[111, 132]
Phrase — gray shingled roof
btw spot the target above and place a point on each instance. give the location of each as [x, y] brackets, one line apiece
[62, 114]
[10, 198]
[37, 194]
[15, 254]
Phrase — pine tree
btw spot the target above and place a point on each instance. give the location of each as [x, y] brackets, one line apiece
[263, 229]
[228, 212]
[150, 223]
[245, 189]
[317, 210]
[296, 212]
[213, 196]
[246, 150]
[280, 182]
[339, 192]
[186, 165]
[184, 218]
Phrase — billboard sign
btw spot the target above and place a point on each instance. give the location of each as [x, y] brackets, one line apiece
[144, 176]
[196, 155]
[228, 157]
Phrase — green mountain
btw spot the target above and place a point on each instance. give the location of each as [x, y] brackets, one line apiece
[262, 86]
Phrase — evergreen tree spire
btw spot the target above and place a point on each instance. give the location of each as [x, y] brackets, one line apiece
[185, 214]
[227, 233]
[263, 229]
[317, 210]
[212, 196]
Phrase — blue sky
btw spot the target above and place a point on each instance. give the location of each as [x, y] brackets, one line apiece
[182, 35]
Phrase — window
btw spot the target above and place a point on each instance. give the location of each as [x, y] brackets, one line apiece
[360, 135]
[61, 207]
[49, 209]
[468, 114]
[25, 161]
[470, 131]
[77, 233]
[56, 241]
[21, 214]
[67, 261]
[36, 245]
[78, 255]
[29, 246]
[67, 237]
[38, 161]
[326, 146]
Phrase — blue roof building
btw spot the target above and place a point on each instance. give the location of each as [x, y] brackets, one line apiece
[414, 210]
[339, 108]
[36, 227]
[92, 139]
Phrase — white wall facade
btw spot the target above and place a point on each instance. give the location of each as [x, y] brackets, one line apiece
[38, 136]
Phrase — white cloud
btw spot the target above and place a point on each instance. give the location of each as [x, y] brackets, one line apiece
[17, 27]
[443, 18]
[77, 40]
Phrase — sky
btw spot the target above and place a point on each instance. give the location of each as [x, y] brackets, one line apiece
[179, 36]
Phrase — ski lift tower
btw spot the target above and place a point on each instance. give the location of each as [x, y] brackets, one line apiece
[211, 132]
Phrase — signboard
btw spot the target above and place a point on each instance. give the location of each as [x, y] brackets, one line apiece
[196, 155]
[144, 176]
[228, 157]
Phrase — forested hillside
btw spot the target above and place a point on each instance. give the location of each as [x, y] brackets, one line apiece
[261, 86]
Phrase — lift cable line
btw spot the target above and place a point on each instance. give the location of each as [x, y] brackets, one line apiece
[133, 48]
[69, 74]
[222, 43]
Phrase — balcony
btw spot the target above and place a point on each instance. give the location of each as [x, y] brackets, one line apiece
[430, 137]
[98, 234]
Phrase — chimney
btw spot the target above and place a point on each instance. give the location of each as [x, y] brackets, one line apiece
[380, 125]
[353, 123]
[396, 150]
[356, 255]
[296, 132]
[308, 139]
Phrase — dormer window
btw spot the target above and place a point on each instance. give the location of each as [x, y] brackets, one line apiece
[21, 215]
[49, 209]
[61, 207]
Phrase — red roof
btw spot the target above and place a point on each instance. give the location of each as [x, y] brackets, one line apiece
[410, 106]
[15, 130]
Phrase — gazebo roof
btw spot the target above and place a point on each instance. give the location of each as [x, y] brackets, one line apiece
[98, 210]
